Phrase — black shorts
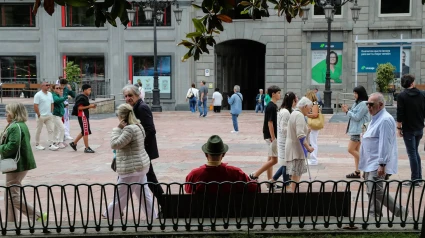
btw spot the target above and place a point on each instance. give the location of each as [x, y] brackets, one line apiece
[84, 125]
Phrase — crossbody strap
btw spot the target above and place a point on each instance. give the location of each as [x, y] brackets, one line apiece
[143, 131]
[239, 97]
[18, 154]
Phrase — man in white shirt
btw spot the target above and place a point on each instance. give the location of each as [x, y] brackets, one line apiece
[379, 157]
[217, 98]
[141, 89]
[43, 107]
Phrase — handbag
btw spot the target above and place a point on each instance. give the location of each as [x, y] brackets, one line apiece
[190, 95]
[9, 164]
[316, 123]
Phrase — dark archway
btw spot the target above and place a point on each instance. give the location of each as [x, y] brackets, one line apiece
[240, 62]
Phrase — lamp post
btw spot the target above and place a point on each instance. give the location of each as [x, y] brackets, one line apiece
[153, 12]
[328, 7]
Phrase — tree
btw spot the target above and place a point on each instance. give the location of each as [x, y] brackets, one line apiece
[72, 72]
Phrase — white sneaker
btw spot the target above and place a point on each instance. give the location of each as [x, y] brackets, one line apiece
[39, 147]
[68, 138]
[53, 147]
[61, 145]
[234, 132]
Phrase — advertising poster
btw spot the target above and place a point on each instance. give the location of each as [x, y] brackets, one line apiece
[318, 62]
[164, 83]
[370, 57]
[144, 71]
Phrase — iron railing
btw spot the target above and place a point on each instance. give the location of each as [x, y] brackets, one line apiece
[227, 205]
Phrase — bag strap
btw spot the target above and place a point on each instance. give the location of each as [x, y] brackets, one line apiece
[143, 131]
[18, 155]
[239, 97]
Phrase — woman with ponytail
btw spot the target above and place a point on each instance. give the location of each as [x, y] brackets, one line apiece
[132, 164]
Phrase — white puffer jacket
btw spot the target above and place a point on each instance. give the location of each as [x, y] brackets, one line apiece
[130, 145]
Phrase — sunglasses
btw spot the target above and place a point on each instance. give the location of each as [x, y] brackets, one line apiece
[59, 88]
[128, 95]
[370, 104]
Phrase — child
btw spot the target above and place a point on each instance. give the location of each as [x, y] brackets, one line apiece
[81, 109]
[269, 133]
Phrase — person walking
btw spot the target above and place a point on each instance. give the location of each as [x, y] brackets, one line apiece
[235, 101]
[269, 134]
[297, 144]
[203, 98]
[43, 107]
[217, 98]
[192, 95]
[132, 164]
[314, 134]
[141, 89]
[358, 115]
[144, 114]
[410, 124]
[259, 106]
[67, 90]
[58, 111]
[15, 143]
[379, 157]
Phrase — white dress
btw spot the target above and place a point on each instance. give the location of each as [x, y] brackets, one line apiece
[282, 128]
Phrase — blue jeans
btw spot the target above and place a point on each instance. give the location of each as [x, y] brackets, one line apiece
[259, 107]
[192, 104]
[411, 140]
[279, 172]
[202, 108]
[235, 121]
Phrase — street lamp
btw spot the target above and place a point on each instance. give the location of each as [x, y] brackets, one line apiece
[328, 7]
[153, 12]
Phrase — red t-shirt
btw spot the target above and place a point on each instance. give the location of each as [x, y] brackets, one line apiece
[220, 173]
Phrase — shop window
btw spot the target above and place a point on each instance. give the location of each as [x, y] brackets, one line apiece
[395, 7]
[16, 15]
[76, 17]
[91, 67]
[18, 69]
[140, 19]
[143, 71]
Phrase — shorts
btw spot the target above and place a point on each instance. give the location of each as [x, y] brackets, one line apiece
[355, 138]
[84, 125]
[296, 167]
[271, 147]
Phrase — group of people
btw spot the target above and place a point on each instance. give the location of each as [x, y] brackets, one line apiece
[198, 99]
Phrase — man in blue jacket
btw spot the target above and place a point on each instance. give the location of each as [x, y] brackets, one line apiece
[259, 106]
[235, 102]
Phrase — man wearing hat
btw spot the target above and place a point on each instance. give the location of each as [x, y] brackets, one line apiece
[216, 171]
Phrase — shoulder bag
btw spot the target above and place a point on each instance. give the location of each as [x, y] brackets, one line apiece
[9, 164]
[190, 95]
[316, 123]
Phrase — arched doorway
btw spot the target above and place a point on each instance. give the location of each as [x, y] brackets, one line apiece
[240, 62]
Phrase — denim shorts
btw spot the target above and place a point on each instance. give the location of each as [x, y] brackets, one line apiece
[355, 138]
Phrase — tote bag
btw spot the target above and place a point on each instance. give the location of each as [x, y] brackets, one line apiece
[316, 123]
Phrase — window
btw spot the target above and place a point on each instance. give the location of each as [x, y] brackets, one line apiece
[143, 70]
[16, 15]
[92, 67]
[318, 11]
[18, 69]
[76, 17]
[395, 7]
[140, 19]
[235, 13]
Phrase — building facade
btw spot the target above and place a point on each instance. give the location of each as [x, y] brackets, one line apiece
[251, 53]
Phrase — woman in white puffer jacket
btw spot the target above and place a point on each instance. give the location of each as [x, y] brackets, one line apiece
[132, 164]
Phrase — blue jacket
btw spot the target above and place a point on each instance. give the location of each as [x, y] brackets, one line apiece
[258, 97]
[359, 115]
[235, 102]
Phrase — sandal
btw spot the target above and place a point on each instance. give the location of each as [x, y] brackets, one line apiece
[354, 175]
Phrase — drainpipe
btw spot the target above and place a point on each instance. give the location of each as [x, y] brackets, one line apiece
[285, 57]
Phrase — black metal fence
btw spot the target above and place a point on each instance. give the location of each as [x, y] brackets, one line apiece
[216, 206]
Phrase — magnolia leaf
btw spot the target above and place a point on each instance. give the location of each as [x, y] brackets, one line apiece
[37, 4]
[196, 6]
[49, 6]
[110, 19]
[194, 34]
[78, 3]
[225, 18]
[198, 25]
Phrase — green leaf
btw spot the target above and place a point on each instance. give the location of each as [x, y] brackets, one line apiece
[117, 9]
[108, 3]
[90, 11]
[194, 34]
[60, 2]
[124, 18]
[246, 11]
[245, 3]
[110, 19]
[207, 4]
[198, 25]
[196, 6]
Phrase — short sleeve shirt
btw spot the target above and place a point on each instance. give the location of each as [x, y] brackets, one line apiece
[270, 115]
[218, 98]
[44, 102]
[204, 90]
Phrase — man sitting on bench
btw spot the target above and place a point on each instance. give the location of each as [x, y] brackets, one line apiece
[216, 171]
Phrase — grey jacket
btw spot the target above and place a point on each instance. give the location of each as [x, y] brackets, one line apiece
[131, 153]
[359, 115]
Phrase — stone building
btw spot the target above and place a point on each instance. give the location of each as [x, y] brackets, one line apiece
[251, 53]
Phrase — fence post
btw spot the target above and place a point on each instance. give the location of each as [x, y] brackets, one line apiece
[423, 224]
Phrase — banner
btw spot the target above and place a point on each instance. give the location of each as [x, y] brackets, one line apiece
[318, 62]
[164, 83]
[370, 57]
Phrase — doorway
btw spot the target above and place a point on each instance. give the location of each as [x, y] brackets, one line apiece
[240, 62]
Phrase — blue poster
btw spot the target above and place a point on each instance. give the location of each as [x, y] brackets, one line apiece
[370, 57]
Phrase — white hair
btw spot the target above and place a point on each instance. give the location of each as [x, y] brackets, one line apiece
[131, 88]
[304, 102]
[237, 88]
[379, 97]
[261, 89]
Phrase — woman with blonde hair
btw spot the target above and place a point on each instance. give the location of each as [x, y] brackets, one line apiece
[15, 143]
[314, 113]
[132, 163]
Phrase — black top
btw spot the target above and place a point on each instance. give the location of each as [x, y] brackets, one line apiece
[81, 100]
[411, 109]
[270, 115]
[144, 114]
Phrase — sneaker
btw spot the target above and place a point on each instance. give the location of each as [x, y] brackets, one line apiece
[53, 147]
[39, 147]
[88, 150]
[234, 132]
[73, 146]
[61, 145]
[68, 138]
[204, 115]
[43, 217]
[252, 177]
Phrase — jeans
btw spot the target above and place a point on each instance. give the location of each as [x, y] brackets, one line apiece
[202, 106]
[192, 104]
[279, 172]
[412, 140]
[259, 107]
[235, 121]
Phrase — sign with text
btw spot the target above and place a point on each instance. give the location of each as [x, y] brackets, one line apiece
[370, 57]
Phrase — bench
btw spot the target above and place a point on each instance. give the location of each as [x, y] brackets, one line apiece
[276, 204]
